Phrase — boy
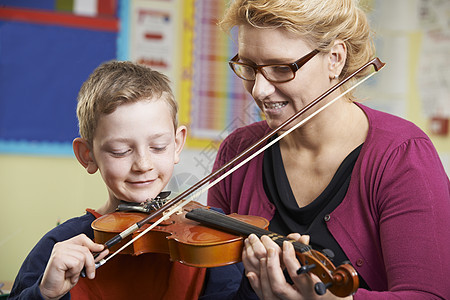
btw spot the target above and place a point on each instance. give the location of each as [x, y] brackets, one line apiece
[129, 133]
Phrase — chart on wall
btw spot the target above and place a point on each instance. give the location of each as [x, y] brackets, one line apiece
[219, 103]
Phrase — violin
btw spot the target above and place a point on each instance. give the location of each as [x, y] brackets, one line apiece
[184, 240]
[201, 237]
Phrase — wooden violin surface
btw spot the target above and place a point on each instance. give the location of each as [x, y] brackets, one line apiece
[185, 240]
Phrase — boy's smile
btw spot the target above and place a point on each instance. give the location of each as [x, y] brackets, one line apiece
[135, 149]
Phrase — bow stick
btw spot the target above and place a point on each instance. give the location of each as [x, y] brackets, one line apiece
[170, 207]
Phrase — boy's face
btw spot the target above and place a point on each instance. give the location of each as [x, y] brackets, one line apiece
[135, 149]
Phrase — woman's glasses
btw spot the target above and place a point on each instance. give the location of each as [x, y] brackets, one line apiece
[273, 73]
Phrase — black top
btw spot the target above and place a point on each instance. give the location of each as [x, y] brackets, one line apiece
[311, 219]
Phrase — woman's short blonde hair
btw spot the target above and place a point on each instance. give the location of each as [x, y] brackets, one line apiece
[115, 83]
[318, 22]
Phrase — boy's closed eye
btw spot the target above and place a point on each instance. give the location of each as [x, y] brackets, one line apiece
[158, 148]
[120, 153]
[124, 152]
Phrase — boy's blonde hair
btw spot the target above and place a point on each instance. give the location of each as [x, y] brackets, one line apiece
[115, 83]
[319, 22]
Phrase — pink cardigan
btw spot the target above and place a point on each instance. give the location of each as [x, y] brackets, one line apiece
[394, 222]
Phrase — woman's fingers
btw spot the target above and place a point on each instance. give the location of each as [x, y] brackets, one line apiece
[249, 259]
[258, 248]
[276, 285]
[273, 282]
[264, 261]
[304, 283]
[253, 278]
[304, 239]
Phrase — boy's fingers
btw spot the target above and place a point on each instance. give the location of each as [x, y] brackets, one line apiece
[83, 240]
[102, 255]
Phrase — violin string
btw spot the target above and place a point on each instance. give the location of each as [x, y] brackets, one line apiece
[199, 192]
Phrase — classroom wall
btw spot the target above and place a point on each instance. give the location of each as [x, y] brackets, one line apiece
[37, 191]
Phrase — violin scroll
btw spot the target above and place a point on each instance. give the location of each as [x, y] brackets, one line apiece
[341, 281]
[345, 281]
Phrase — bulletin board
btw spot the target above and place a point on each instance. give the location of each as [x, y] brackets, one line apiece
[46, 53]
[413, 39]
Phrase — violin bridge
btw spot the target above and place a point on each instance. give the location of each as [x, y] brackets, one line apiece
[179, 210]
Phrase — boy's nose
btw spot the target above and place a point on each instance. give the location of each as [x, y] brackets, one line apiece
[262, 88]
[143, 162]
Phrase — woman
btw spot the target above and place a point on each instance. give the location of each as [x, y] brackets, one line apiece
[365, 184]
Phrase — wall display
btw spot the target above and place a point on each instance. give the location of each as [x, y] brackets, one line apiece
[214, 97]
[45, 55]
[434, 67]
[388, 90]
[413, 38]
[153, 35]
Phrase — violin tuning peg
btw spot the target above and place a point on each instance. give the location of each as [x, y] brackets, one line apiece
[305, 269]
[321, 288]
[328, 253]
[163, 195]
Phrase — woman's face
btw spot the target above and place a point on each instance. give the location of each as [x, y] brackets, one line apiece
[279, 101]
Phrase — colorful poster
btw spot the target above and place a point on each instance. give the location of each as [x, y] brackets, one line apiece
[219, 103]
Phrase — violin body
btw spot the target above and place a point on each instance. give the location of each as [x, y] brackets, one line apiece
[182, 239]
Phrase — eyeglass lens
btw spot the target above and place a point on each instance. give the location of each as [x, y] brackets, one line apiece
[274, 73]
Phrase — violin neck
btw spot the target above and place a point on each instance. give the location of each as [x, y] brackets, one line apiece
[228, 224]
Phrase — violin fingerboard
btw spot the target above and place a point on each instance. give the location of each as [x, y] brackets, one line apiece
[228, 224]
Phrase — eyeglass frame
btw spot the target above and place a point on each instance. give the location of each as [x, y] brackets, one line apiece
[295, 66]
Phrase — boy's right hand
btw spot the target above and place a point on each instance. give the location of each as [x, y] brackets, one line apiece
[66, 261]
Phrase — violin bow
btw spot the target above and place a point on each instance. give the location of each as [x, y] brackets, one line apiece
[174, 205]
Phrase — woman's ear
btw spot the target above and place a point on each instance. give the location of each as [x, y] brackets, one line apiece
[180, 139]
[83, 152]
[337, 58]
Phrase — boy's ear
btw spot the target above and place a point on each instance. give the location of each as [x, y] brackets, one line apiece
[83, 152]
[338, 56]
[180, 139]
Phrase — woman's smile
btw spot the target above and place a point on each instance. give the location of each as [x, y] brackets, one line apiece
[274, 105]
[274, 109]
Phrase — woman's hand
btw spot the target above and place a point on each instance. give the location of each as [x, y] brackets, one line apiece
[252, 254]
[65, 264]
[264, 269]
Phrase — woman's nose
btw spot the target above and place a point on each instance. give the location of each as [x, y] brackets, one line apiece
[262, 88]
